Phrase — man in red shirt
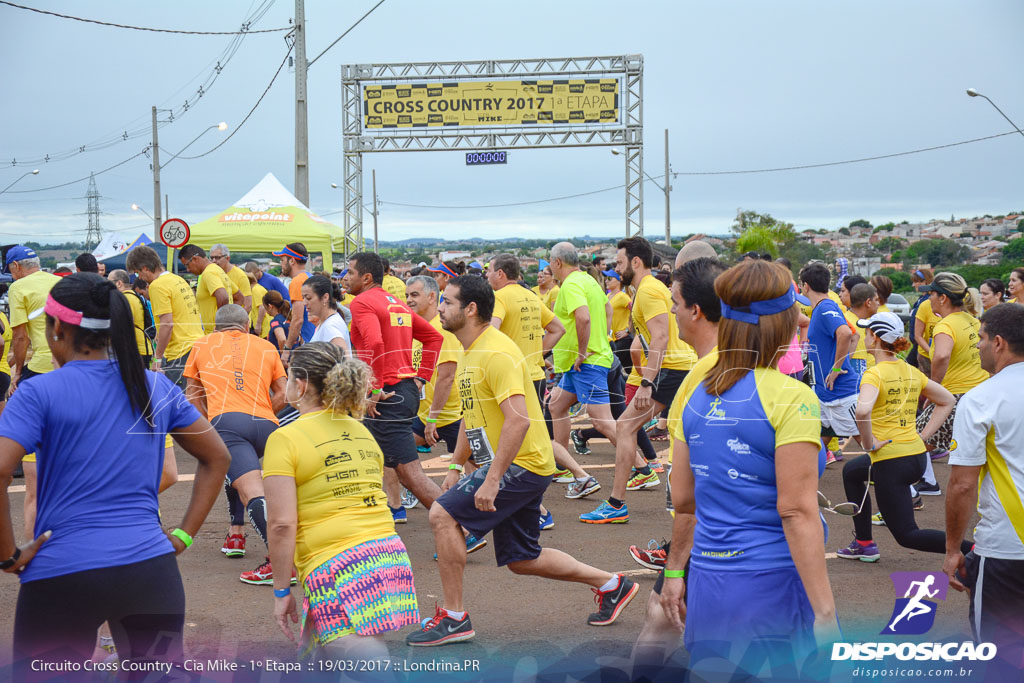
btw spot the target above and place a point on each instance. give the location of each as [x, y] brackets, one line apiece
[382, 332]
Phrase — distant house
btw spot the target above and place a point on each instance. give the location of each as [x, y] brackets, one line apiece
[454, 255]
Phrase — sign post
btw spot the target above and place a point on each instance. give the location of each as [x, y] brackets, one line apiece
[174, 233]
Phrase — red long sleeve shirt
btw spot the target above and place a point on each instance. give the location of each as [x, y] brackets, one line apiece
[382, 332]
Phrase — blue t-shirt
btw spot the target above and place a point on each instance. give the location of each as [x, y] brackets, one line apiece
[98, 465]
[278, 321]
[732, 440]
[273, 284]
[826, 318]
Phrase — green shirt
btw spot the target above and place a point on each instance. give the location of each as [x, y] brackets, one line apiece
[579, 289]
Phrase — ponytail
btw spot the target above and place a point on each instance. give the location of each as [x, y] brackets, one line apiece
[126, 353]
[972, 302]
[274, 298]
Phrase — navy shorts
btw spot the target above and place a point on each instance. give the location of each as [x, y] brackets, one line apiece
[392, 428]
[246, 437]
[666, 385]
[514, 523]
[589, 384]
[449, 433]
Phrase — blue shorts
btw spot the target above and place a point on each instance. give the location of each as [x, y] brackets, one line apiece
[449, 433]
[729, 611]
[589, 384]
[514, 523]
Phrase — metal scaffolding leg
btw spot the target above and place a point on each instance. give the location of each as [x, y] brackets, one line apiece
[353, 174]
[634, 190]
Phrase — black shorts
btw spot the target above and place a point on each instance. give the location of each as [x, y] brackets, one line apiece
[449, 433]
[392, 428]
[5, 384]
[667, 384]
[539, 385]
[514, 523]
[245, 436]
[997, 603]
[174, 370]
[27, 374]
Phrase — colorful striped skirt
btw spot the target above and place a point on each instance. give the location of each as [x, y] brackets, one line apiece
[365, 590]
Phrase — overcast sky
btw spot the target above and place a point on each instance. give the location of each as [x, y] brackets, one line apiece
[740, 85]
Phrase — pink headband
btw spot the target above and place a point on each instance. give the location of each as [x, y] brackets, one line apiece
[66, 315]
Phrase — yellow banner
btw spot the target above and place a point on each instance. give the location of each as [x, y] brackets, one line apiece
[491, 103]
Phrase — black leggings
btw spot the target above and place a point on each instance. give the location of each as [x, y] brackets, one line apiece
[892, 494]
[56, 619]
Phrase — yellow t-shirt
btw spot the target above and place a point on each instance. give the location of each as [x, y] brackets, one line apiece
[5, 367]
[861, 351]
[884, 308]
[239, 282]
[26, 296]
[337, 467]
[169, 293]
[212, 279]
[653, 299]
[523, 319]
[492, 370]
[394, 286]
[964, 371]
[258, 292]
[549, 298]
[620, 312]
[928, 317]
[139, 320]
[451, 352]
[693, 378]
[893, 416]
[349, 298]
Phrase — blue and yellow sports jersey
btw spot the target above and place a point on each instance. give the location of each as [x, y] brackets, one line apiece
[732, 440]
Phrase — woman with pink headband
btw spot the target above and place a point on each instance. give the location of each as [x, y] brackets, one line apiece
[98, 425]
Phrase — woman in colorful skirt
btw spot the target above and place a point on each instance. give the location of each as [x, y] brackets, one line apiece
[328, 514]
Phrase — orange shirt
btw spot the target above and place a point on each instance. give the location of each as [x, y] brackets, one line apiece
[236, 370]
[295, 286]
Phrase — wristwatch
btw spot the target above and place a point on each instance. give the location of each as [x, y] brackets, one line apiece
[646, 383]
[7, 564]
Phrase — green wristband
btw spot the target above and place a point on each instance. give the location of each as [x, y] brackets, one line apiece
[374, 391]
[182, 536]
[456, 466]
[675, 573]
[431, 420]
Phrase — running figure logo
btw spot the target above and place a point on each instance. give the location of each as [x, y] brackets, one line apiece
[914, 613]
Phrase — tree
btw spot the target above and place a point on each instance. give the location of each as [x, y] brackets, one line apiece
[900, 280]
[759, 238]
[860, 223]
[884, 226]
[783, 231]
[890, 244]
[937, 252]
[844, 231]
[1013, 252]
[1020, 225]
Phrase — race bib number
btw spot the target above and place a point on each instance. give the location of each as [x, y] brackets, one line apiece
[479, 446]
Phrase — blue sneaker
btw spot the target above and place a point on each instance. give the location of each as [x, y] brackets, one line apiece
[547, 521]
[606, 514]
[856, 551]
[423, 449]
[399, 514]
[472, 544]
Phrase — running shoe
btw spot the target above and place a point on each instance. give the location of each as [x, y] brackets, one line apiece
[926, 489]
[656, 466]
[580, 489]
[563, 477]
[409, 499]
[423, 449]
[658, 434]
[877, 520]
[606, 514]
[441, 630]
[234, 546]
[576, 409]
[611, 603]
[856, 551]
[399, 515]
[830, 458]
[642, 481]
[918, 503]
[938, 455]
[472, 545]
[579, 444]
[651, 425]
[653, 557]
[547, 521]
[263, 575]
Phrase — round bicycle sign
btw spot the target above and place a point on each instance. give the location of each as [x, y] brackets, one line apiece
[174, 233]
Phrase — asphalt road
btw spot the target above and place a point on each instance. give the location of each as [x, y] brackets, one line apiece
[522, 623]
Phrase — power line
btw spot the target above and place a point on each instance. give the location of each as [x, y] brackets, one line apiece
[145, 150]
[309, 64]
[700, 173]
[239, 126]
[243, 31]
[113, 139]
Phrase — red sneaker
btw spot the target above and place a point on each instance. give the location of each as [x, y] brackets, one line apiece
[653, 557]
[263, 575]
[234, 546]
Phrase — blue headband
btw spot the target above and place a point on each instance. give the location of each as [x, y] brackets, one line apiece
[752, 313]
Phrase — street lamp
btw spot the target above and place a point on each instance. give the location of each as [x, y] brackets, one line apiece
[136, 207]
[666, 190]
[974, 93]
[35, 172]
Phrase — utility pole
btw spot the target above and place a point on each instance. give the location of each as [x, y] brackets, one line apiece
[301, 133]
[376, 247]
[156, 182]
[668, 187]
